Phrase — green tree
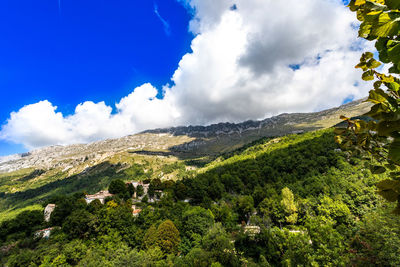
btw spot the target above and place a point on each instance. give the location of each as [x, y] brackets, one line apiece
[139, 191]
[289, 205]
[196, 220]
[25, 222]
[94, 206]
[168, 238]
[75, 251]
[232, 183]
[131, 189]
[151, 191]
[328, 243]
[380, 137]
[219, 245]
[245, 207]
[80, 224]
[258, 195]
[180, 190]
[197, 257]
[271, 209]
[150, 238]
[225, 214]
[334, 209]
[64, 206]
[378, 241]
[117, 187]
[23, 258]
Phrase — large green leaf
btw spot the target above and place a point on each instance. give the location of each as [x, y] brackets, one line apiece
[393, 86]
[389, 195]
[394, 53]
[381, 46]
[392, 4]
[397, 209]
[389, 189]
[372, 63]
[394, 151]
[360, 126]
[377, 96]
[366, 56]
[385, 128]
[389, 184]
[387, 24]
[368, 75]
[359, 2]
[376, 111]
[352, 6]
[339, 131]
[371, 5]
[380, 21]
[377, 169]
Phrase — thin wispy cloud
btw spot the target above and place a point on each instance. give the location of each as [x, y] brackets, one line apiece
[166, 26]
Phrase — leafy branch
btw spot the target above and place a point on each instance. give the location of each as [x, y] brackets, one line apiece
[379, 139]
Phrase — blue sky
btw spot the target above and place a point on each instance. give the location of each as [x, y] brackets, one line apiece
[80, 71]
[87, 50]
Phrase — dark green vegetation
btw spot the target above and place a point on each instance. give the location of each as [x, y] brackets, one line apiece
[288, 201]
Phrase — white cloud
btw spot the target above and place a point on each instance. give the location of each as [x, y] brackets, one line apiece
[239, 69]
[39, 124]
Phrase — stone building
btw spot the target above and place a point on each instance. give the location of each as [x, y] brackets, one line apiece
[48, 210]
[252, 230]
[44, 233]
[135, 211]
[102, 195]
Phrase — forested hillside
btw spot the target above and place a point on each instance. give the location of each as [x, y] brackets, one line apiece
[296, 200]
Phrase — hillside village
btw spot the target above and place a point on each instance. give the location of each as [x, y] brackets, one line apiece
[141, 191]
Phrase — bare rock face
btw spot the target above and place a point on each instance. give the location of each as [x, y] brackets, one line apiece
[190, 140]
[67, 157]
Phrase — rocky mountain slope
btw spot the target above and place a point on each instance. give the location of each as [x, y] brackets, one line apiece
[184, 142]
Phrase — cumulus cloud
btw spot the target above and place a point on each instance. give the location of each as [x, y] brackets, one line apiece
[39, 124]
[250, 59]
[242, 65]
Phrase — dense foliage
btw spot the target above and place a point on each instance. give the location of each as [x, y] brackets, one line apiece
[295, 200]
[379, 138]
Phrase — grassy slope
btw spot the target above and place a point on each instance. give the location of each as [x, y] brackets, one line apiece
[20, 190]
[307, 164]
[18, 193]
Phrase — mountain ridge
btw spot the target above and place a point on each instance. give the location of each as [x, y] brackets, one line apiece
[182, 141]
[179, 130]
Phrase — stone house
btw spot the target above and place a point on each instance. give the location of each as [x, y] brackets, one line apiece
[48, 210]
[252, 230]
[44, 233]
[102, 195]
[135, 211]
